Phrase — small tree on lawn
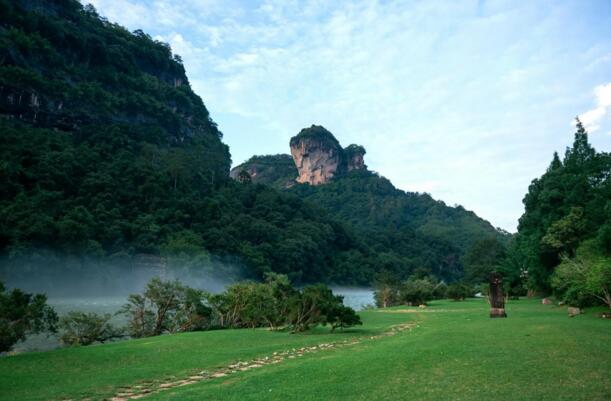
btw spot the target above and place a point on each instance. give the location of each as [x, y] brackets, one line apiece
[342, 316]
[416, 291]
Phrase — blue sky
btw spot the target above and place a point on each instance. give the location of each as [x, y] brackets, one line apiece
[465, 100]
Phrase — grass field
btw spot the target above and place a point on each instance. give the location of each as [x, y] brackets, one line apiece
[455, 353]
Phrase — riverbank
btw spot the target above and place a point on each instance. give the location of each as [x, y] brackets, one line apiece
[538, 353]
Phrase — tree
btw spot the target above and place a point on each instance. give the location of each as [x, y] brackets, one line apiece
[167, 306]
[563, 208]
[243, 177]
[165, 298]
[459, 291]
[586, 278]
[386, 290]
[22, 314]
[81, 328]
[341, 316]
[194, 312]
[564, 235]
[141, 317]
[416, 291]
[483, 258]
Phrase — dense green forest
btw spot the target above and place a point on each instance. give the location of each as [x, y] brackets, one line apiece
[404, 232]
[564, 236]
[107, 152]
[278, 171]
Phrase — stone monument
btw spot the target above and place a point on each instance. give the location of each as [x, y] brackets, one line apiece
[496, 296]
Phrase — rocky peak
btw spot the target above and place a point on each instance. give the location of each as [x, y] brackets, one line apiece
[319, 157]
[355, 157]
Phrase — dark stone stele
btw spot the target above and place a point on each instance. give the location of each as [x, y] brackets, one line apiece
[497, 300]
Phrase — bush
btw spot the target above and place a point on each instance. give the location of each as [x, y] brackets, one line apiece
[166, 306]
[169, 306]
[585, 279]
[459, 292]
[80, 328]
[416, 291]
[440, 290]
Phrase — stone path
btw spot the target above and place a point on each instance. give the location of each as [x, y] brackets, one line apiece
[143, 389]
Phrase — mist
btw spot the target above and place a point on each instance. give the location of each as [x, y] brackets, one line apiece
[71, 277]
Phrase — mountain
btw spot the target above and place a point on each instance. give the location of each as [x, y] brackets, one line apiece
[108, 156]
[338, 180]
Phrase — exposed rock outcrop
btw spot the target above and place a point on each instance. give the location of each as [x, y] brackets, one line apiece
[355, 157]
[319, 157]
[316, 158]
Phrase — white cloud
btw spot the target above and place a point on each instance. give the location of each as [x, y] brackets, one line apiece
[447, 98]
[591, 119]
[603, 95]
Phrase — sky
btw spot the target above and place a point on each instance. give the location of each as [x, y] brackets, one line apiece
[465, 100]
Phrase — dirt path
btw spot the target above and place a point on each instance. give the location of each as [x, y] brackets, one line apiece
[147, 388]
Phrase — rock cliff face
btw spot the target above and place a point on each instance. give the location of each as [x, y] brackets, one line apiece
[319, 157]
[316, 158]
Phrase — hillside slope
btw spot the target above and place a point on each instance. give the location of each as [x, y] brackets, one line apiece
[413, 231]
[107, 155]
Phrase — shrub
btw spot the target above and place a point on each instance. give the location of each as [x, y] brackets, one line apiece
[416, 291]
[80, 328]
[459, 291]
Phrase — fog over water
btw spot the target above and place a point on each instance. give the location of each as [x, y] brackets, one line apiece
[91, 285]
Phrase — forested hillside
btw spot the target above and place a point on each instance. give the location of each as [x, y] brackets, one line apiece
[407, 232]
[106, 152]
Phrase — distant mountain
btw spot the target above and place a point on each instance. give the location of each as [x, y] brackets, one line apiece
[337, 180]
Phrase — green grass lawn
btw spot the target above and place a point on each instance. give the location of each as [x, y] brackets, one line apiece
[455, 353]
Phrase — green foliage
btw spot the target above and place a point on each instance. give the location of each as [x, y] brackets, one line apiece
[278, 171]
[568, 205]
[353, 150]
[584, 279]
[387, 288]
[482, 258]
[564, 235]
[169, 306]
[341, 316]
[21, 314]
[398, 231]
[80, 328]
[459, 291]
[106, 152]
[318, 134]
[416, 291]
[166, 306]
